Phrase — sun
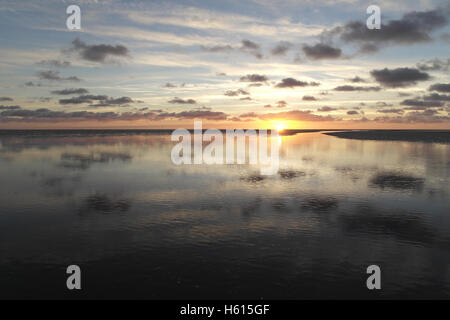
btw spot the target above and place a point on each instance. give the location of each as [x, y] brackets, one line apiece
[279, 125]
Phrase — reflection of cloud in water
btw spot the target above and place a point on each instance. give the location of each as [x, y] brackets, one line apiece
[403, 226]
[279, 205]
[84, 161]
[253, 178]
[290, 174]
[103, 203]
[394, 180]
[251, 207]
[319, 203]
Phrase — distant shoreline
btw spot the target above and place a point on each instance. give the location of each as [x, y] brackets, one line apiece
[429, 136]
[413, 135]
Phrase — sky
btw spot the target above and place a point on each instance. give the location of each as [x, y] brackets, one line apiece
[230, 63]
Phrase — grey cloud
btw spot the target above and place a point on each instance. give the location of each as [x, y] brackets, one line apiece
[437, 97]
[98, 53]
[281, 104]
[233, 93]
[32, 84]
[321, 51]
[112, 102]
[352, 112]
[383, 104]
[192, 114]
[2, 107]
[296, 115]
[182, 101]
[413, 27]
[421, 103]
[440, 87]
[356, 88]
[281, 48]
[247, 44]
[251, 47]
[357, 79]
[70, 91]
[55, 63]
[217, 48]
[398, 111]
[291, 83]
[445, 37]
[54, 76]
[44, 114]
[309, 98]
[400, 77]
[434, 65]
[254, 78]
[83, 99]
[249, 115]
[326, 109]
[6, 99]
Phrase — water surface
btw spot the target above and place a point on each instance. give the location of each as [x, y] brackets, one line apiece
[140, 227]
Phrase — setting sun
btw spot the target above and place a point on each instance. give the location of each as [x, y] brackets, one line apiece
[279, 125]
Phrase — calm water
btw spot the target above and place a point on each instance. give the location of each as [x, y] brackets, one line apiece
[141, 227]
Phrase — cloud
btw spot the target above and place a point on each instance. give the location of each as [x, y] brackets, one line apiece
[249, 115]
[2, 107]
[440, 87]
[413, 27]
[217, 48]
[231, 93]
[113, 102]
[296, 115]
[352, 112]
[70, 91]
[291, 83]
[321, 51]
[44, 115]
[98, 53]
[246, 46]
[357, 79]
[182, 101]
[356, 88]
[437, 97]
[383, 104]
[414, 117]
[421, 103]
[55, 63]
[251, 47]
[103, 100]
[445, 37]
[281, 104]
[398, 111]
[169, 85]
[54, 76]
[281, 48]
[326, 109]
[6, 99]
[400, 77]
[309, 98]
[32, 84]
[254, 78]
[192, 114]
[83, 99]
[434, 65]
